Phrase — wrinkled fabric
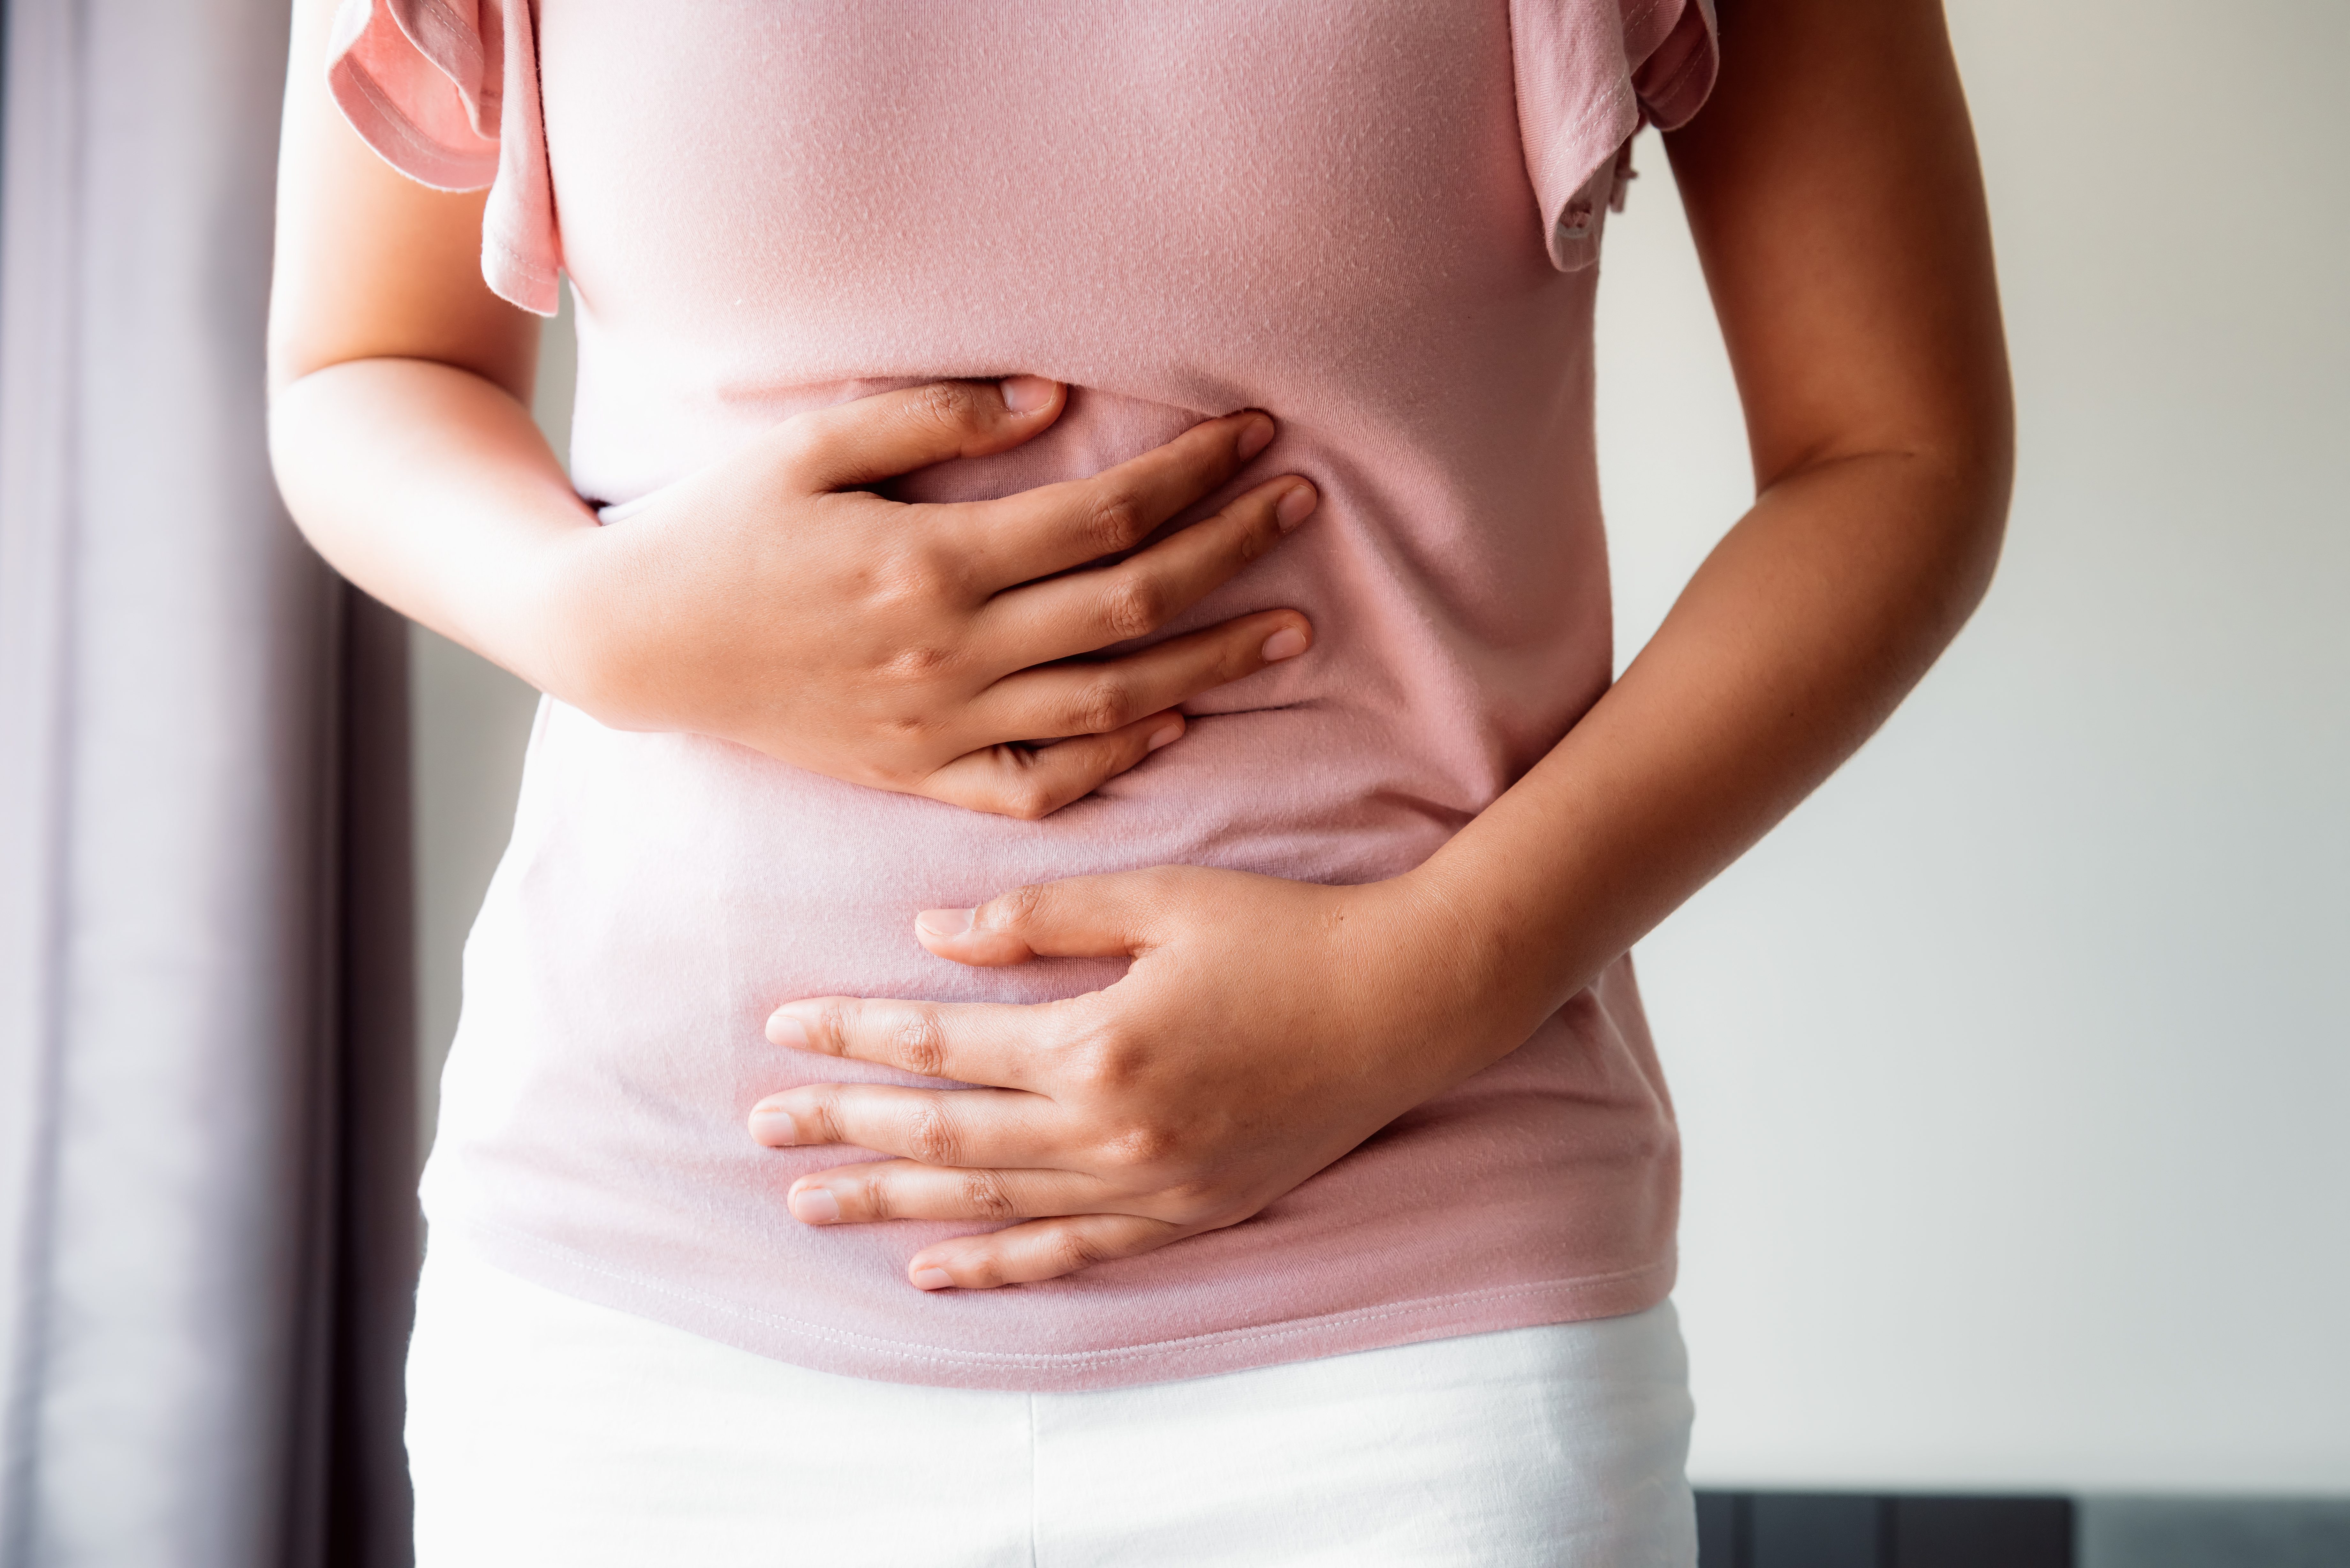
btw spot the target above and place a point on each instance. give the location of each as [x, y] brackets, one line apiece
[1346, 214]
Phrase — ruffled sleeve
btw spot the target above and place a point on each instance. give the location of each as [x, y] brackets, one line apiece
[1589, 74]
[447, 92]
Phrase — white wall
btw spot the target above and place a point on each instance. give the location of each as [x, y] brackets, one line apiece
[2015, 1069]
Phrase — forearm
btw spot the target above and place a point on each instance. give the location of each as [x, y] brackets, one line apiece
[1787, 649]
[1833, 198]
[431, 489]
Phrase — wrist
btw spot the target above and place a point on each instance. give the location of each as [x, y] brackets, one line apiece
[564, 617]
[1492, 967]
[1431, 1006]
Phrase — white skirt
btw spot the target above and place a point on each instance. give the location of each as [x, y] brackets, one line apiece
[543, 1429]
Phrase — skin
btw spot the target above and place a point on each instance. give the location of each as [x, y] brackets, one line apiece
[1264, 1028]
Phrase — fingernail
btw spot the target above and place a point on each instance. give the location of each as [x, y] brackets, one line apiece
[1256, 436]
[933, 1279]
[815, 1206]
[1025, 394]
[774, 1127]
[943, 922]
[1286, 643]
[1296, 506]
[1165, 735]
[783, 1029]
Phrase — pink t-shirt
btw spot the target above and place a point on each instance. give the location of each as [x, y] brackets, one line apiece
[1375, 218]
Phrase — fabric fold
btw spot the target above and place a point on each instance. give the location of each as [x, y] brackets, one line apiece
[1655, 64]
[452, 103]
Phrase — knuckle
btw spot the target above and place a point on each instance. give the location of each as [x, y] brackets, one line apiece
[1106, 1065]
[918, 664]
[1026, 800]
[983, 1197]
[834, 1024]
[817, 1117]
[1014, 911]
[920, 1043]
[950, 406]
[1072, 1249]
[1133, 605]
[1100, 706]
[907, 729]
[1261, 533]
[930, 1136]
[1140, 1145]
[905, 583]
[867, 1200]
[1115, 523]
[1196, 1202]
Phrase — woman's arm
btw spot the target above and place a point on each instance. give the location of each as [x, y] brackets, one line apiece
[770, 599]
[1266, 1028]
[1837, 206]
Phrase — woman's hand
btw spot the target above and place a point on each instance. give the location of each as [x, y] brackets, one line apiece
[775, 600]
[770, 599]
[1264, 1029]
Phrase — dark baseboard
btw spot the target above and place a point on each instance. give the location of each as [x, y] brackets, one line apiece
[1852, 1530]
[1846, 1529]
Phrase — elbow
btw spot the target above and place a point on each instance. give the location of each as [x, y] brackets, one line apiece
[1974, 464]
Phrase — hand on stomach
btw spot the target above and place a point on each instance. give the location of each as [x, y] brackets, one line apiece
[1264, 1029]
[942, 650]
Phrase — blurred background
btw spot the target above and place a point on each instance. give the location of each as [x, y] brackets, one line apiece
[2013, 1070]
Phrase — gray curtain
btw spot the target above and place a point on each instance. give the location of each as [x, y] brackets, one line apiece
[207, 1230]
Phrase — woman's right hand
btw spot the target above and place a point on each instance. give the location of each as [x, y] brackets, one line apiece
[775, 600]
[772, 599]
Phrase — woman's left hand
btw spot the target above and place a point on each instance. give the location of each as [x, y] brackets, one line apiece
[1264, 1029]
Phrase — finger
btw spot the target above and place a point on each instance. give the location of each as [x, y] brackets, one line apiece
[994, 1044]
[1055, 526]
[1031, 781]
[1039, 1250]
[902, 1189]
[1096, 696]
[1079, 917]
[938, 1126]
[862, 442]
[1087, 610]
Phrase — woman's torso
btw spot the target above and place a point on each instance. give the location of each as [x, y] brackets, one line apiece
[1180, 209]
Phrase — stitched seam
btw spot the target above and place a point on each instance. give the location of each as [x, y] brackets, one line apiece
[1639, 14]
[406, 131]
[1420, 1306]
[1620, 97]
[522, 264]
[1689, 67]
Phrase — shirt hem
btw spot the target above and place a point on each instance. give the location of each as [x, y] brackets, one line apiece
[848, 1353]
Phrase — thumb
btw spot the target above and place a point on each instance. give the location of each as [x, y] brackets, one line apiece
[850, 445]
[1083, 917]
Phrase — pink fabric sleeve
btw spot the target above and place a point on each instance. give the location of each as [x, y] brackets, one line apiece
[1589, 74]
[447, 92]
